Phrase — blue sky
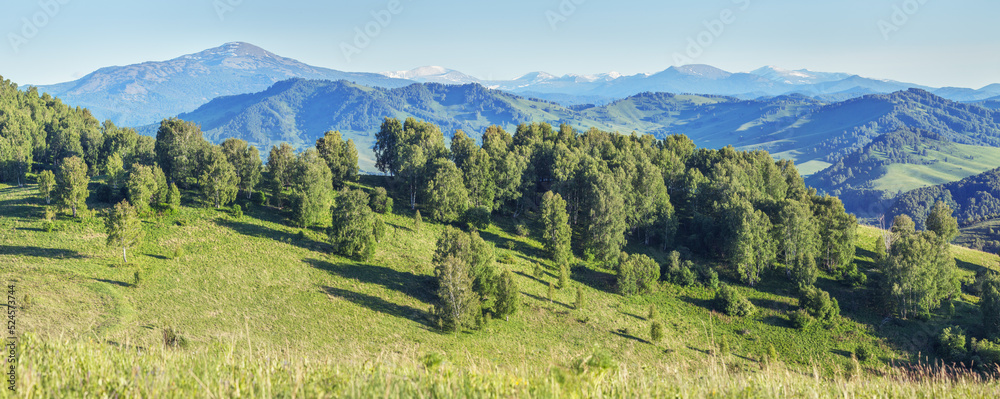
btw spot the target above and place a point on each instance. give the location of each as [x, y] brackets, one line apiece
[931, 42]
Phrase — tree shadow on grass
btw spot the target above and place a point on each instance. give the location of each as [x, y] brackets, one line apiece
[629, 336]
[112, 282]
[595, 279]
[381, 305]
[520, 247]
[841, 352]
[776, 321]
[52, 253]
[253, 230]
[765, 303]
[540, 299]
[634, 316]
[419, 287]
[532, 277]
[702, 303]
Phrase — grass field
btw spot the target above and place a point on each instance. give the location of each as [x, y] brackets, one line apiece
[254, 298]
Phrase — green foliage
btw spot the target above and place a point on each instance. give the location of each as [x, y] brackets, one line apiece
[804, 272]
[457, 304]
[950, 344]
[381, 202]
[800, 238]
[313, 190]
[173, 197]
[245, 159]
[136, 278]
[538, 272]
[604, 215]
[445, 193]
[986, 351]
[478, 217]
[653, 313]
[564, 276]
[712, 281]
[837, 232]
[46, 184]
[172, 338]
[862, 353]
[115, 170]
[219, 182]
[656, 331]
[636, 274]
[557, 233]
[353, 229]
[578, 303]
[141, 187]
[754, 249]
[71, 185]
[729, 301]
[508, 295]
[341, 157]
[989, 304]
[800, 318]
[919, 270]
[771, 356]
[124, 228]
[280, 167]
[237, 212]
[179, 145]
[818, 303]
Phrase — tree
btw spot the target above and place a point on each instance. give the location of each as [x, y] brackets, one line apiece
[219, 181]
[463, 147]
[754, 248]
[115, 171]
[837, 232]
[457, 306]
[124, 228]
[381, 202]
[818, 303]
[141, 186]
[353, 228]
[279, 165]
[508, 295]
[174, 197]
[340, 156]
[46, 183]
[478, 172]
[919, 270]
[245, 159]
[604, 231]
[636, 274]
[178, 146]
[412, 163]
[656, 331]
[731, 302]
[313, 189]
[446, 195]
[799, 237]
[71, 184]
[161, 191]
[388, 142]
[558, 232]
[989, 303]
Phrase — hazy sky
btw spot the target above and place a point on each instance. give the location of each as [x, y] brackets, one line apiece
[930, 42]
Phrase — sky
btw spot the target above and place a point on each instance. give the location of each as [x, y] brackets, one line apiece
[928, 42]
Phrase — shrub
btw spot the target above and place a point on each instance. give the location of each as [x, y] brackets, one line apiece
[712, 281]
[379, 229]
[988, 352]
[578, 304]
[723, 347]
[48, 226]
[653, 313]
[538, 272]
[853, 277]
[432, 360]
[636, 274]
[686, 276]
[563, 276]
[380, 201]
[178, 252]
[731, 302]
[818, 303]
[950, 344]
[260, 198]
[552, 291]
[171, 339]
[478, 217]
[521, 230]
[862, 353]
[656, 331]
[26, 302]
[771, 355]
[136, 279]
[237, 212]
[800, 319]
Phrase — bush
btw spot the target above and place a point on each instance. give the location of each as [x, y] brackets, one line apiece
[862, 353]
[563, 276]
[771, 355]
[48, 226]
[178, 252]
[380, 201]
[987, 352]
[686, 276]
[732, 303]
[171, 339]
[636, 274]
[723, 347]
[260, 198]
[237, 212]
[653, 313]
[950, 344]
[800, 319]
[538, 272]
[853, 277]
[656, 331]
[521, 230]
[818, 303]
[478, 217]
[136, 279]
[380, 229]
[578, 304]
[712, 281]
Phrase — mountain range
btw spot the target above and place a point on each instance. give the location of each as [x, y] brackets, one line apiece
[145, 93]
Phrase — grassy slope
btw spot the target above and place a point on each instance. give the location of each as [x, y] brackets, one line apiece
[951, 165]
[256, 283]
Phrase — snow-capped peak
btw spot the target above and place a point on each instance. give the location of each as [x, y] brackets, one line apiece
[432, 74]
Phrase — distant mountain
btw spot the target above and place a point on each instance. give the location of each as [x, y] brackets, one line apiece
[897, 162]
[798, 77]
[148, 92]
[433, 74]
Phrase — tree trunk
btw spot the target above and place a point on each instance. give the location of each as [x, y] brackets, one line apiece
[74, 210]
[124, 256]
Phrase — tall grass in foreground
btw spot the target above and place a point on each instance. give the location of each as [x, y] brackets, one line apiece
[64, 369]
